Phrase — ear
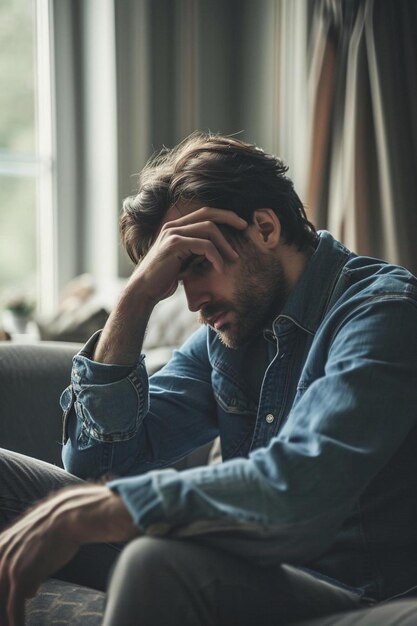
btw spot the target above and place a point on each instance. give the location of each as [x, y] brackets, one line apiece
[267, 228]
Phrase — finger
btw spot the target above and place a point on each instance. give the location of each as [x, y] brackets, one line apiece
[191, 247]
[219, 216]
[4, 588]
[210, 231]
[16, 609]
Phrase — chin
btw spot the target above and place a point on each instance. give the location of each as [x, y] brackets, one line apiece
[227, 342]
[231, 340]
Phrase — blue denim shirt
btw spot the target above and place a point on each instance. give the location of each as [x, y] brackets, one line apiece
[317, 419]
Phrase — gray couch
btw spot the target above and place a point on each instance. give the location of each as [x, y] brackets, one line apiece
[31, 380]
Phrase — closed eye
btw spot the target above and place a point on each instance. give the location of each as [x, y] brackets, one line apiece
[196, 265]
[200, 265]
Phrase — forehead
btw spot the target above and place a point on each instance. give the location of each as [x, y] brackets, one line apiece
[179, 209]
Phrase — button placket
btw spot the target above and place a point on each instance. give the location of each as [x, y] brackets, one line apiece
[277, 393]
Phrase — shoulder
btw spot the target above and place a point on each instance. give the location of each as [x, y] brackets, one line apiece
[372, 278]
[364, 280]
[372, 298]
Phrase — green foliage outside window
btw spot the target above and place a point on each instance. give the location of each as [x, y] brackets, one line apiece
[17, 144]
[17, 76]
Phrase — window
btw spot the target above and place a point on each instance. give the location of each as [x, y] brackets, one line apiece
[25, 148]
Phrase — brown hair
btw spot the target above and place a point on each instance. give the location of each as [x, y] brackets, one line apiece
[220, 172]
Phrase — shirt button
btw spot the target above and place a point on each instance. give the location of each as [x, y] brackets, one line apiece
[270, 418]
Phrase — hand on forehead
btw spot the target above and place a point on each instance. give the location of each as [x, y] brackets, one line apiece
[196, 223]
[183, 211]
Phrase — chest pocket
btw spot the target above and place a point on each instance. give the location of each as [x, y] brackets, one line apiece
[236, 413]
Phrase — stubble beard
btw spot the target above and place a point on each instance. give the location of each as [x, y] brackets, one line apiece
[260, 296]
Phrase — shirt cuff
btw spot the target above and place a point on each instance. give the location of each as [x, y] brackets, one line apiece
[143, 502]
[87, 371]
[109, 400]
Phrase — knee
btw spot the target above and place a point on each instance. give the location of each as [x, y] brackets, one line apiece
[145, 564]
[142, 576]
[141, 559]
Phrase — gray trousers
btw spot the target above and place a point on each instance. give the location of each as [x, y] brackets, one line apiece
[152, 582]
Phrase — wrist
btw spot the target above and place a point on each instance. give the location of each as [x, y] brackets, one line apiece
[138, 293]
[150, 288]
[92, 514]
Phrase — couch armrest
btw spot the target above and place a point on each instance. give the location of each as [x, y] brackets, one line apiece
[32, 377]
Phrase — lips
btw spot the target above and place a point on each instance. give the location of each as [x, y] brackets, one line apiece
[218, 321]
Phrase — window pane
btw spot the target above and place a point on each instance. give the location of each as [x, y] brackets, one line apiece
[17, 233]
[17, 76]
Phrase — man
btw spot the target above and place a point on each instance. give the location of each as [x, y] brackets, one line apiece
[304, 364]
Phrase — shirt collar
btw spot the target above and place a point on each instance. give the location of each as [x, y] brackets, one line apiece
[308, 301]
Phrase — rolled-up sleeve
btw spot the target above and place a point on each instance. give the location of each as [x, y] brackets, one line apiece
[118, 421]
[109, 400]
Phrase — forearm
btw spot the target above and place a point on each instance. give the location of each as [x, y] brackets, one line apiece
[122, 337]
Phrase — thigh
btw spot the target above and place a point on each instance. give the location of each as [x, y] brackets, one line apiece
[24, 481]
[170, 582]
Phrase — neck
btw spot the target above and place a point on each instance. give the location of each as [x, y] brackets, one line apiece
[294, 263]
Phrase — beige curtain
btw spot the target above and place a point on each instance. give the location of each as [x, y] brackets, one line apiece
[363, 96]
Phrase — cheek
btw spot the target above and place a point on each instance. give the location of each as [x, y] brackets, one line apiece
[226, 287]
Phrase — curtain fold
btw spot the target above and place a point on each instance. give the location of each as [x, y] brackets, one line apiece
[363, 96]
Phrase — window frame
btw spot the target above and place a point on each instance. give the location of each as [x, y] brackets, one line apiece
[39, 165]
[47, 283]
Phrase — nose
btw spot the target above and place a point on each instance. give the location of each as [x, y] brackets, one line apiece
[196, 295]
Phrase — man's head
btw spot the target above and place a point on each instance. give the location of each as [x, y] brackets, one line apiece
[213, 171]
[224, 173]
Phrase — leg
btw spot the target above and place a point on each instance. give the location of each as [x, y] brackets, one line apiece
[23, 481]
[168, 582]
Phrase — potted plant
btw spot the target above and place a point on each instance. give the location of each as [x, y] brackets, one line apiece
[17, 314]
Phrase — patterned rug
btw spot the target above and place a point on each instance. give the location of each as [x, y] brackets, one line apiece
[59, 604]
